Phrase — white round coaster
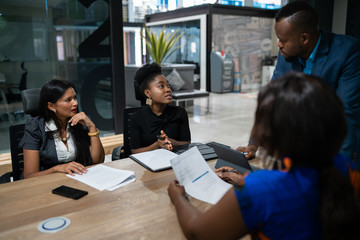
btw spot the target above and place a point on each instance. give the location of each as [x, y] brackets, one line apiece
[55, 224]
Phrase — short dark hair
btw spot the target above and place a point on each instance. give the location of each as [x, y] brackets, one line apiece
[301, 117]
[145, 74]
[302, 15]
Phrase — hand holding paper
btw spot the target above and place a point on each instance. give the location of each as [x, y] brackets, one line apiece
[198, 178]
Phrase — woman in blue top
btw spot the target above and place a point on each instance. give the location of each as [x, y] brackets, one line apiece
[300, 121]
[60, 139]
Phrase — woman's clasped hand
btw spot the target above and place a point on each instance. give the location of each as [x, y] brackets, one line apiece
[164, 141]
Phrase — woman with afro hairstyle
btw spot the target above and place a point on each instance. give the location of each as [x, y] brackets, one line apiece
[157, 124]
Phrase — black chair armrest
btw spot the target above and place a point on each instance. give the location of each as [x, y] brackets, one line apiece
[117, 153]
[6, 177]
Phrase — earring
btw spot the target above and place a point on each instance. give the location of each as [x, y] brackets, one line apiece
[148, 101]
[54, 110]
[287, 163]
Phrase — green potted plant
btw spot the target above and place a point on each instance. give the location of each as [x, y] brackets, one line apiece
[161, 46]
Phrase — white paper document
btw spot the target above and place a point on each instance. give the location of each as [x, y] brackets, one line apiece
[103, 177]
[155, 160]
[198, 178]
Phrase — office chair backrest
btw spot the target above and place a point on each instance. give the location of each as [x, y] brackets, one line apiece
[16, 133]
[127, 112]
[30, 98]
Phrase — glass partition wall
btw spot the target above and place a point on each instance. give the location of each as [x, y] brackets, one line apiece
[189, 51]
[28, 51]
[192, 43]
[70, 39]
[50, 39]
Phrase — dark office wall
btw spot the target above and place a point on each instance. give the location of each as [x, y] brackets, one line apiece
[353, 18]
[325, 9]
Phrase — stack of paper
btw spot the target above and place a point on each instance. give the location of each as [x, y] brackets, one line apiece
[198, 178]
[103, 177]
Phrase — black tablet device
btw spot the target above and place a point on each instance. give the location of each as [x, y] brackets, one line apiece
[231, 158]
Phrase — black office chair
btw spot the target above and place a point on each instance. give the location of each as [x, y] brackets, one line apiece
[16, 133]
[30, 98]
[6, 177]
[125, 150]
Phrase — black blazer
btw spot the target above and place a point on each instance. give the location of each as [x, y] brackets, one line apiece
[36, 138]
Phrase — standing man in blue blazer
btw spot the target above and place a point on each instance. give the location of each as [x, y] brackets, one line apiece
[334, 58]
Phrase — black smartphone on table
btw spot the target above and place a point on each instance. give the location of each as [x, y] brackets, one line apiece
[69, 192]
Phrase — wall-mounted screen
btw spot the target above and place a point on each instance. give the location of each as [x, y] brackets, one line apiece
[234, 3]
[267, 4]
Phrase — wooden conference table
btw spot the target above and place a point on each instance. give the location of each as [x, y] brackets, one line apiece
[139, 210]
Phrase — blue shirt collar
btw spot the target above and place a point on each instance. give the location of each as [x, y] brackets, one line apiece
[310, 61]
[312, 55]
